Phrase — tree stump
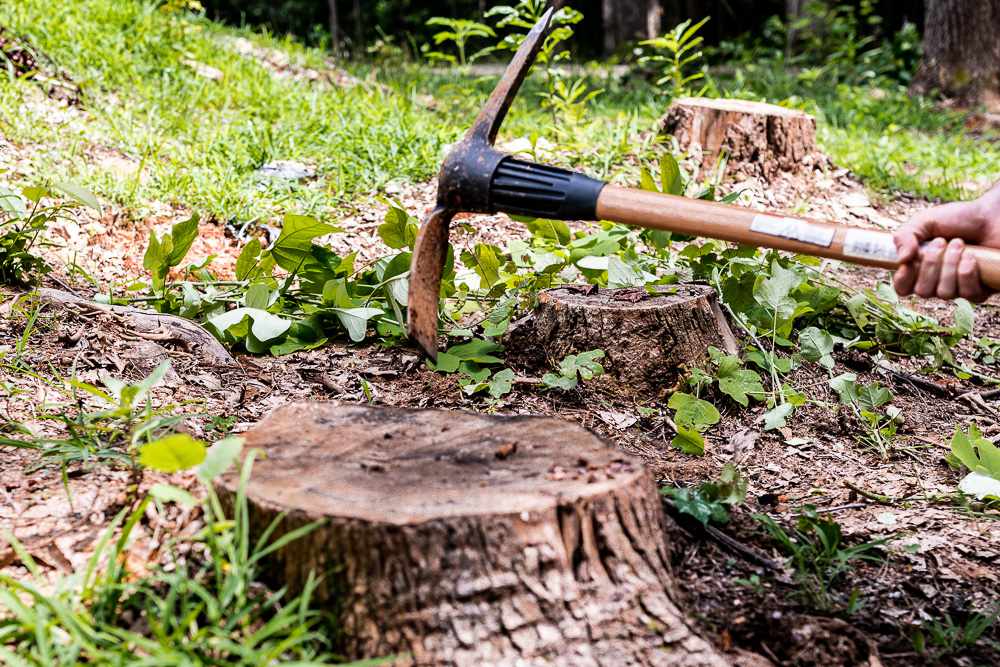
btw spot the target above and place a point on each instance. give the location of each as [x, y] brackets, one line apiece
[759, 139]
[463, 539]
[648, 340]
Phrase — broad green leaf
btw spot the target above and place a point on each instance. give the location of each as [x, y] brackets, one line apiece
[294, 245]
[692, 412]
[168, 493]
[446, 363]
[219, 458]
[692, 503]
[172, 453]
[594, 263]
[248, 259]
[737, 383]
[484, 260]
[477, 351]
[355, 320]
[79, 194]
[965, 318]
[778, 416]
[266, 326]
[981, 486]
[670, 175]
[689, 440]
[976, 452]
[182, 236]
[398, 231]
[817, 345]
[258, 296]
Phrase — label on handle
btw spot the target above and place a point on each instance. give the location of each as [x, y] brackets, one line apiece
[793, 229]
[870, 245]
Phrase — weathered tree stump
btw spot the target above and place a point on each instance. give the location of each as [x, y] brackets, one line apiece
[648, 340]
[759, 139]
[463, 539]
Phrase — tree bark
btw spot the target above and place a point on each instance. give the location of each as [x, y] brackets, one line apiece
[757, 139]
[629, 20]
[648, 340]
[463, 539]
[962, 52]
[334, 21]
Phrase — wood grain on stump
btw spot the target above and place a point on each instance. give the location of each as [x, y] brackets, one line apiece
[759, 139]
[648, 340]
[471, 540]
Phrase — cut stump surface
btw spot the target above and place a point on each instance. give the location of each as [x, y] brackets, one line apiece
[465, 539]
[759, 139]
[648, 339]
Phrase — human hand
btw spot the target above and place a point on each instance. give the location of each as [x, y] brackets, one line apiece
[931, 248]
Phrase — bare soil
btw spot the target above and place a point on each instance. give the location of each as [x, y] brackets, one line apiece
[941, 554]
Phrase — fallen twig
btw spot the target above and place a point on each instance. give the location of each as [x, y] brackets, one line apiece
[870, 495]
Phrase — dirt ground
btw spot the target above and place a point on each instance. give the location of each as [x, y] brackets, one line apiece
[941, 555]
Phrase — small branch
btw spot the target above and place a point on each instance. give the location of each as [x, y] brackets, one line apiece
[870, 495]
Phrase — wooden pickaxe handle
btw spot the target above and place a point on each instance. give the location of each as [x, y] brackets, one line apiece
[696, 217]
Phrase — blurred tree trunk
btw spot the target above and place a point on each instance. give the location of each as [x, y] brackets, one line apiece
[334, 27]
[793, 12]
[629, 20]
[962, 51]
[359, 30]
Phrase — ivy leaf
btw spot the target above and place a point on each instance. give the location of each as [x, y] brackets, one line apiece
[172, 453]
[293, 248]
[846, 387]
[777, 417]
[585, 364]
[692, 503]
[355, 320]
[689, 440]
[501, 383]
[774, 291]
[739, 384]
[559, 381]
[817, 345]
[266, 326]
[692, 412]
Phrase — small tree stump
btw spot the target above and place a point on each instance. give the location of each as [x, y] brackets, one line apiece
[648, 339]
[471, 540]
[760, 139]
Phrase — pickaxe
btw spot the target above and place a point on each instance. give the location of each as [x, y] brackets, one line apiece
[477, 178]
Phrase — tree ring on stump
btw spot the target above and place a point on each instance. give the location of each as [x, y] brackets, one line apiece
[758, 139]
[466, 539]
[648, 339]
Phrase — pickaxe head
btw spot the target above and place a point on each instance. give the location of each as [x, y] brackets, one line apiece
[477, 178]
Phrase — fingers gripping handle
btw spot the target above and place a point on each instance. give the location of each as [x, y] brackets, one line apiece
[738, 225]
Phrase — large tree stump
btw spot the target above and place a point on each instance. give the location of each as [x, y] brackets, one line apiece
[463, 539]
[759, 139]
[649, 340]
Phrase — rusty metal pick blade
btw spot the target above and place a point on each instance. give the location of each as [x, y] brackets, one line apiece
[493, 113]
[429, 255]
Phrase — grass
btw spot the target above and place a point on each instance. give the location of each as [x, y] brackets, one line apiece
[205, 611]
[197, 142]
